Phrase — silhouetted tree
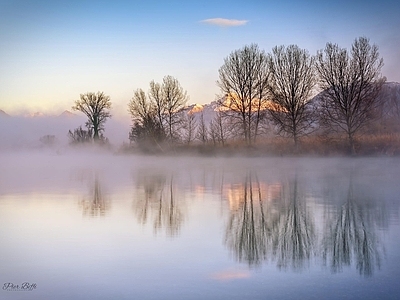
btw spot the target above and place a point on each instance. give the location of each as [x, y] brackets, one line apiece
[175, 99]
[219, 129]
[146, 126]
[158, 100]
[243, 78]
[96, 108]
[350, 84]
[202, 130]
[80, 135]
[189, 127]
[291, 82]
[162, 107]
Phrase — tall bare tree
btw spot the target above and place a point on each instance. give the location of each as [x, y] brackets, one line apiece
[96, 107]
[139, 106]
[146, 125]
[202, 130]
[189, 127]
[350, 84]
[156, 97]
[243, 78]
[174, 99]
[291, 83]
[158, 114]
[219, 129]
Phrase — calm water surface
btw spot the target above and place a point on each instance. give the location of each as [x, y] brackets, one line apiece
[79, 226]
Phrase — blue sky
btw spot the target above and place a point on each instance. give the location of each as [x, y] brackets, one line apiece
[52, 51]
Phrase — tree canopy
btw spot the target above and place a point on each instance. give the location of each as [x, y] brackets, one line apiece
[96, 107]
[350, 83]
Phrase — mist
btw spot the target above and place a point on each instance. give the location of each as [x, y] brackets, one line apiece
[180, 220]
[28, 132]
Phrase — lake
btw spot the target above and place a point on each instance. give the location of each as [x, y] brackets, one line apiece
[101, 226]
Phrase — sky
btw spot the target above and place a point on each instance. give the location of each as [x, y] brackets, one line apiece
[53, 51]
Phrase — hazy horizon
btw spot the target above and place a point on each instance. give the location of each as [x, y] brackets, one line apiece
[51, 52]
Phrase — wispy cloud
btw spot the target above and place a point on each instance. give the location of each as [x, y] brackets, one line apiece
[225, 22]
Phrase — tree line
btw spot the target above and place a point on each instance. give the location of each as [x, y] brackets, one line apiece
[257, 88]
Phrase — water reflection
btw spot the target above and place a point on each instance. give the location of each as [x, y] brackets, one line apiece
[282, 228]
[249, 228]
[294, 232]
[96, 204]
[156, 202]
[351, 234]
[279, 227]
[285, 219]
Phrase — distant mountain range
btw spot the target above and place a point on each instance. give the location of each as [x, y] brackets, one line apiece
[390, 91]
[390, 94]
[17, 130]
[65, 113]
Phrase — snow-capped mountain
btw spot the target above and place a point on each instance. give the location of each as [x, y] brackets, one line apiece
[28, 129]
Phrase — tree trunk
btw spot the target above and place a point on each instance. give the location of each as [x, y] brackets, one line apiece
[352, 149]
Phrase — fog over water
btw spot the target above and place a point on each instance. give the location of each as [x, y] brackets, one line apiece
[25, 132]
[87, 223]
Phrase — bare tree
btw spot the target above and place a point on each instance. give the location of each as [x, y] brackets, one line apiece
[146, 125]
[291, 84]
[214, 132]
[158, 115]
[174, 99]
[350, 84]
[243, 79]
[140, 107]
[156, 97]
[80, 135]
[96, 108]
[219, 130]
[202, 130]
[189, 127]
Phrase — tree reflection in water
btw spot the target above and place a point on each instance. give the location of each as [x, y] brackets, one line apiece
[294, 232]
[350, 234]
[156, 202]
[96, 204]
[248, 233]
[280, 229]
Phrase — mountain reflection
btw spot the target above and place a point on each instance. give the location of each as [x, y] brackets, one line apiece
[350, 234]
[156, 202]
[278, 227]
[96, 204]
